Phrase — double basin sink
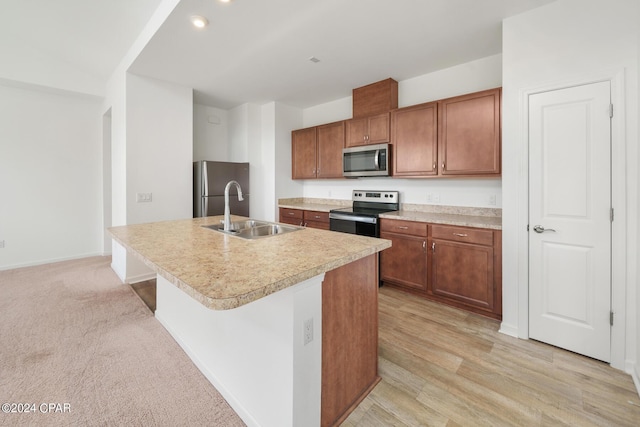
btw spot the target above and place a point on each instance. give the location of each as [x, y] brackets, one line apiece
[252, 229]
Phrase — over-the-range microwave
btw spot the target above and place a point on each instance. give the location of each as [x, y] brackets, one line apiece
[367, 160]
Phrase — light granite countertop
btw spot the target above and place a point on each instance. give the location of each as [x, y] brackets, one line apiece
[224, 272]
[490, 218]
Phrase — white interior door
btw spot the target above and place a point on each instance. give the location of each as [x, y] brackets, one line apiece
[570, 219]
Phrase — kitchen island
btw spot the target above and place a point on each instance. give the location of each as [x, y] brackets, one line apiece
[284, 326]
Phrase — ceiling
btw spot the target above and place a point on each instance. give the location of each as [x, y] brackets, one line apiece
[89, 35]
[258, 51]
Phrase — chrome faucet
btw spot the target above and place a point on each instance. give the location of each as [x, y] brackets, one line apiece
[227, 214]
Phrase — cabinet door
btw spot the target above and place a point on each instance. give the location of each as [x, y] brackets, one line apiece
[462, 272]
[414, 135]
[330, 145]
[356, 132]
[303, 153]
[405, 262]
[378, 129]
[469, 127]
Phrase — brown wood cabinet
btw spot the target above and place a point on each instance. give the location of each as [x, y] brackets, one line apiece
[303, 153]
[305, 218]
[405, 263]
[466, 268]
[316, 219]
[469, 134]
[316, 152]
[291, 216]
[458, 266]
[375, 98]
[414, 134]
[457, 136]
[368, 130]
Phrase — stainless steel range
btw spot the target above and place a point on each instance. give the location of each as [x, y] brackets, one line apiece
[363, 216]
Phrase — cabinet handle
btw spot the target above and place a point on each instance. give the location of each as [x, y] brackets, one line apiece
[424, 245]
[442, 165]
[402, 227]
[434, 165]
[317, 216]
[433, 247]
[291, 213]
[460, 234]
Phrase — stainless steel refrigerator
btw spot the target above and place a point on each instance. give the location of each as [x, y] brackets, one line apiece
[209, 180]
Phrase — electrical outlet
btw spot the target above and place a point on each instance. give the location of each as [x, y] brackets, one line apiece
[143, 197]
[492, 200]
[436, 198]
[429, 198]
[308, 331]
[1, 244]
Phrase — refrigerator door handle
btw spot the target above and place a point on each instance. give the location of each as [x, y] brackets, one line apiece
[205, 206]
[205, 177]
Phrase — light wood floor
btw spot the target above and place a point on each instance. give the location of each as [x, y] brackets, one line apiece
[147, 292]
[444, 367]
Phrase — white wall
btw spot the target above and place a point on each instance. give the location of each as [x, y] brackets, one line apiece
[50, 176]
[159, 149]
[287, 119]
[210, 133]
[564, 42]
[485, 73]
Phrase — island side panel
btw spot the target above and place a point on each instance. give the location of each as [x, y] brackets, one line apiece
[254, 354]
[349, 338]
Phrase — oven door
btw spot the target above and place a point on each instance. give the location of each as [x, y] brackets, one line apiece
[354, 224]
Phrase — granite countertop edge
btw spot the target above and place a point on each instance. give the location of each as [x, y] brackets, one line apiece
[236, 300]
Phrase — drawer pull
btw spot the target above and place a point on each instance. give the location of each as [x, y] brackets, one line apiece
[460, 234]
[317, 216]
[291, 213]
[403, 227]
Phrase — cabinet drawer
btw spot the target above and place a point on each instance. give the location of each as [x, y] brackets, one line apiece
[403, 227]
[462, 234]
[291, 213]
[316, 216]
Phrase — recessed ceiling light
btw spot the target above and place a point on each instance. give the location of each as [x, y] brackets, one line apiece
[225, 1]
[199, 21]
[314, 59]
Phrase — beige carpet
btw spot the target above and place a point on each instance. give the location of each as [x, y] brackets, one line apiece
[71, 334]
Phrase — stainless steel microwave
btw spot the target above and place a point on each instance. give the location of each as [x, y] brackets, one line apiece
[367, 160]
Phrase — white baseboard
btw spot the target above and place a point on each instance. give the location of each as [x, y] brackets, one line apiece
[50, 261]
[632, 369]
[510, 330]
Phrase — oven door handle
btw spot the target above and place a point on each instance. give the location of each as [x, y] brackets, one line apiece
[353, 218]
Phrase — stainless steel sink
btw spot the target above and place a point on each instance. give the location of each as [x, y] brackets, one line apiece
[252, 229]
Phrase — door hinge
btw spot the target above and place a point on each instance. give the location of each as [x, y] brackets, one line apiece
[610, 110]
[611, 214]
[527, 227]
[611, 318]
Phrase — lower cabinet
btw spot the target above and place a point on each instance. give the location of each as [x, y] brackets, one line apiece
[458, 266]
[305, 218]
[405, 262]
[291, 216]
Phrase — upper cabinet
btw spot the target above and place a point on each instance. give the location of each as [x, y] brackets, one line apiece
[414, 133]
[374, 99]
[316, 152]
[457, 136]
[469, 134]
[453, 137]
[368, 130]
